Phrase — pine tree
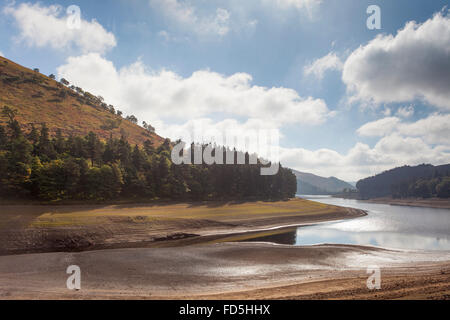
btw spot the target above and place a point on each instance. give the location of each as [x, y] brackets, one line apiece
[148, 147]
[3, 138]
[87, 168]
[94, 148]
[45, 148]
[60, 144]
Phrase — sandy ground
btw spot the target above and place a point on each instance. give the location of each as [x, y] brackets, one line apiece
[228, 271]
[183, 252]
[39, 229]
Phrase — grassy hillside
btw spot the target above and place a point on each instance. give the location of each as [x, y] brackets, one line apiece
[40, 99]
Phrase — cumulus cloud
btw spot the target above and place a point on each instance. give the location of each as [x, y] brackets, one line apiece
[434, 129]
[401, 143]
[379, 128]
[167, 95]
[42, 26]
[1, 54]
[413, 64]
[361, 161]
[242, 135]
[207, 130]
[318, 67]
[185, 16]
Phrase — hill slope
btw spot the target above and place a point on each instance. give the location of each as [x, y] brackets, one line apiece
[40, 99]
[419, 181]
[308, 183]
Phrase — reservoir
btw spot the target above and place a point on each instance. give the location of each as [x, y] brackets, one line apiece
[387, 226]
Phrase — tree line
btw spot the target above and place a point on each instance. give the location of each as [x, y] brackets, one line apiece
[34, 165]
[423, 188]
[424, 181]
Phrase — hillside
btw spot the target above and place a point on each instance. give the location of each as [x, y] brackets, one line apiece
[72, 158]
[311, 184]
[40, 99]
[422, 181]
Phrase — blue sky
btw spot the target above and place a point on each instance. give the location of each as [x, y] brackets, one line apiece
[138, 54]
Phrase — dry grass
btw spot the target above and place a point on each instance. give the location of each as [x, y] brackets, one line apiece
[153, 213]
[46, 228]
[35, 97]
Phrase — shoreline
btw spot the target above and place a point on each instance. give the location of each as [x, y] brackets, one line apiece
[434, 203]
[422, 203]
[42, 229]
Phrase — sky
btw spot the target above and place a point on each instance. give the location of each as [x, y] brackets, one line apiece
[347, 101]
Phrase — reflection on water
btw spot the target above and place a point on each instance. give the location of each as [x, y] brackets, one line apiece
[386, 226]
[288, 237]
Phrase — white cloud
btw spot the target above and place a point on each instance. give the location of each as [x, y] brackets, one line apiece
[166, 95]
[435, 129]
[379, 128]
[42, 26]
[401, 143]
[220, 132]
[405, 112]
[308, 5]
[362, 161]
[1, 54]
[413, 64]
[387, 112]
[318, 67]
[186, 18]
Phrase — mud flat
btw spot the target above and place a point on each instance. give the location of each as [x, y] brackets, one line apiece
[228, 271]
[188, 251]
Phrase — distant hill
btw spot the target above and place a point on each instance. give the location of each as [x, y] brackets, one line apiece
[420, 181]
[39, 99]
[311, 184]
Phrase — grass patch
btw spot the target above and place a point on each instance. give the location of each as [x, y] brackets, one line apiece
[64, 216]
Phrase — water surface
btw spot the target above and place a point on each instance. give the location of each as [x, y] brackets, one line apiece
[397, 227]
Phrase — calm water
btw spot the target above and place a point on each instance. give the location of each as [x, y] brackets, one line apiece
[386, 226]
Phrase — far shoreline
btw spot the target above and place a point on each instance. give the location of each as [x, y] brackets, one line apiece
[410, 202]
[435, 203]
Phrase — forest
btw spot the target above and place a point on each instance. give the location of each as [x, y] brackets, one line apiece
[424, 181]
[34, 165]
